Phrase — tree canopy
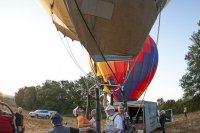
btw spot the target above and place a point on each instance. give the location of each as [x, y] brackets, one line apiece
[62, 96]
[190, 82]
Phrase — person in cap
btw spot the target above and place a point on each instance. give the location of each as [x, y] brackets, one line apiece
[114, 122]
[19, 121]
[162, 120]
[81, 119]
[57, 121]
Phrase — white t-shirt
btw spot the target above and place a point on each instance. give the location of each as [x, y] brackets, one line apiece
[185, 109]
[118, 122]
[93, 122]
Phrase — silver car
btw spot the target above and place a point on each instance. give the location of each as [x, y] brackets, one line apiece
[40, 113]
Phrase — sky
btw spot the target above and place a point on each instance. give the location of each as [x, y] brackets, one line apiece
[32, 51]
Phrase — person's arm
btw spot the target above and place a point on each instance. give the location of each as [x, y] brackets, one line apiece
[14, 123]
[23, 125]
[105, 100]
[92, 121]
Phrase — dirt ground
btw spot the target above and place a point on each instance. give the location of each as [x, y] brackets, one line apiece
[180, 124]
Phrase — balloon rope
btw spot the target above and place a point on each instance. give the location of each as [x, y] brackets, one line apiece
[70, 53]
[159, 26]
[72, 56]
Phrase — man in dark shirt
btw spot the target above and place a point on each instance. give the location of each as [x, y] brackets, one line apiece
[57, 121]
[162, 120]
[19, 121]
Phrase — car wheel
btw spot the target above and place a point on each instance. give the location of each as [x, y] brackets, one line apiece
[47, 117]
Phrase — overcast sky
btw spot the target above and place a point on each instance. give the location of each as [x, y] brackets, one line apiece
[31, 49]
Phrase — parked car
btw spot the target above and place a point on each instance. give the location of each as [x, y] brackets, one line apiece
[52, 112]
[6, 118]
[40, 113]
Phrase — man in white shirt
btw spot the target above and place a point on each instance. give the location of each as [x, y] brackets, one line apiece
[114, 122]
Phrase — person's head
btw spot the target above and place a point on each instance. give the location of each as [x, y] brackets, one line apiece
[121, 109]
[56, 119]
[110, 110]
[162, 112]
[78, 111]
[19, 109]
[93, 113]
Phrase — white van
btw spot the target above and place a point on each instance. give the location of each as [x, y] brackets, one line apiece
[143, 115]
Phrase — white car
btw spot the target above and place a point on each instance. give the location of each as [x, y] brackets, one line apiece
[52, 112]
[40, 113]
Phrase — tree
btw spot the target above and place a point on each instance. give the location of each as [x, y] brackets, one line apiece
[19, 96]
[53, 96]
[62, 96]
[190, 82]
[160, 102]
[29, 100]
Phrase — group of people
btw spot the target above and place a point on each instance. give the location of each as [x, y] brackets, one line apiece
[84, 125]
[18, 119]
[114, 121]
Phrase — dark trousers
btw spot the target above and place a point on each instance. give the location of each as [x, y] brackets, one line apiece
[185, 114]
[163, 127]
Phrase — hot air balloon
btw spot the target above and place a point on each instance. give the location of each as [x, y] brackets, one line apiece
[109, 29]
[112, 30]
[134, 76]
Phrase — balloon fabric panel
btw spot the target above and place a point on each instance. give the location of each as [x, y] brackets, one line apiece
[134, 88]
[134, 75]
[142, 72]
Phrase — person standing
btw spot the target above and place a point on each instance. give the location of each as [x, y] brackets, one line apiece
[114, 122]
[185, 111]
[93, 119]
[162, 120]
[81, 119]
[19, 121]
